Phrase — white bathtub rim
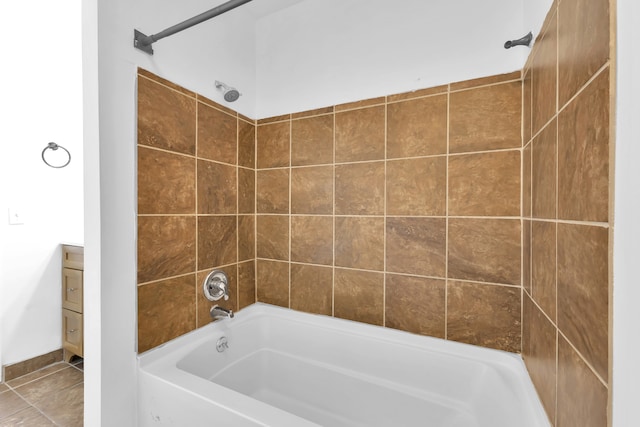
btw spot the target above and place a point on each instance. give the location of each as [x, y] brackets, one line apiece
[161, 362]
[176, 348]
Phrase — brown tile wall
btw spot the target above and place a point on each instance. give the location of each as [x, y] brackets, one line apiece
[566, 245]
[402, 211]
[196, 207]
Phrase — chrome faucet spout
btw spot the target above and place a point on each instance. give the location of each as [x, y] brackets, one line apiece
[218, 312]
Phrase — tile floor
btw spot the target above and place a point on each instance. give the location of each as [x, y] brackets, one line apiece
[51, 396]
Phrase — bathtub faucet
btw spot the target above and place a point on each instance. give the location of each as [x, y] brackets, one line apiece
[218, 312]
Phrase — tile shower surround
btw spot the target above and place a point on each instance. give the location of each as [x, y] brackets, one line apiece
[409, 211]
[401, 211]
[196, 204]
[566, 197]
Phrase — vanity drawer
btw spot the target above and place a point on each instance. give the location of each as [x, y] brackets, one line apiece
[72, 332]
[72, 289]
[73, 257]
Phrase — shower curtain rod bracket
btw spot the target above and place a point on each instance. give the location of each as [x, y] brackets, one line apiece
[144, 42]
[523, 41]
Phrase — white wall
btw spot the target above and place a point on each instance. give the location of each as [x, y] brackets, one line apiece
[626, 292]
[41, 102]
[320, 53]
[92, 290]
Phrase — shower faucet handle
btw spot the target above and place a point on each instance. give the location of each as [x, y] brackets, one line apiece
[216, 286]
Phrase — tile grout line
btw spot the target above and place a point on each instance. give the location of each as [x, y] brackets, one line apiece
[385, 207]
[29, 406]
[571, 100]
[522, 234]
[582, 358]
[237, 307]
[527, 196]
[572, 222]
[290, 215]
[333, 238]
[196, 216]
[392, 159]
[396, 273]
[382, 216]
[557, 118]
[560, 333]
[68, 365]
[446, 220]
[255, 212]
[150, 282]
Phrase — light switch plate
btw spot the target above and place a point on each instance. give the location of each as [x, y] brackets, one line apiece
[15, 216]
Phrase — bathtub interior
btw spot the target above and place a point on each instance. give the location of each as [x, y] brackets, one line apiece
[341, 373]
[330, 396]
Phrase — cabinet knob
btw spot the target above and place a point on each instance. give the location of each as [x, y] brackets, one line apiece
[72, 331]
[71, 289]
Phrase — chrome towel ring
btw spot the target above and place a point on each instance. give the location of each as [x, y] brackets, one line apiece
[53, 146]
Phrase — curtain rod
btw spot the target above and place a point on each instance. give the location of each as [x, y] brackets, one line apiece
[144, 42]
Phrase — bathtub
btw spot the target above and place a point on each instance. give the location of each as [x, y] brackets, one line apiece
[271, 366]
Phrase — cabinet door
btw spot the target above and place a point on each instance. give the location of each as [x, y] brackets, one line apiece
[72, 289]
[72, 332]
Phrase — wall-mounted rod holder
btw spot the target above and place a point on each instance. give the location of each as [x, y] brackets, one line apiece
[144, 42]
[524, 41]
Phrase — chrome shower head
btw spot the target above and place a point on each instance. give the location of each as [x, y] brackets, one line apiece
[230, 93]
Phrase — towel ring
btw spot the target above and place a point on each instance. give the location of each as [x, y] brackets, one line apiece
[53, 146]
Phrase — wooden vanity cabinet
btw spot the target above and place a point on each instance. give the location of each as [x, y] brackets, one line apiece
[72, 287]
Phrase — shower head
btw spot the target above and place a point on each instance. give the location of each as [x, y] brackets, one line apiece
[230, 93]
